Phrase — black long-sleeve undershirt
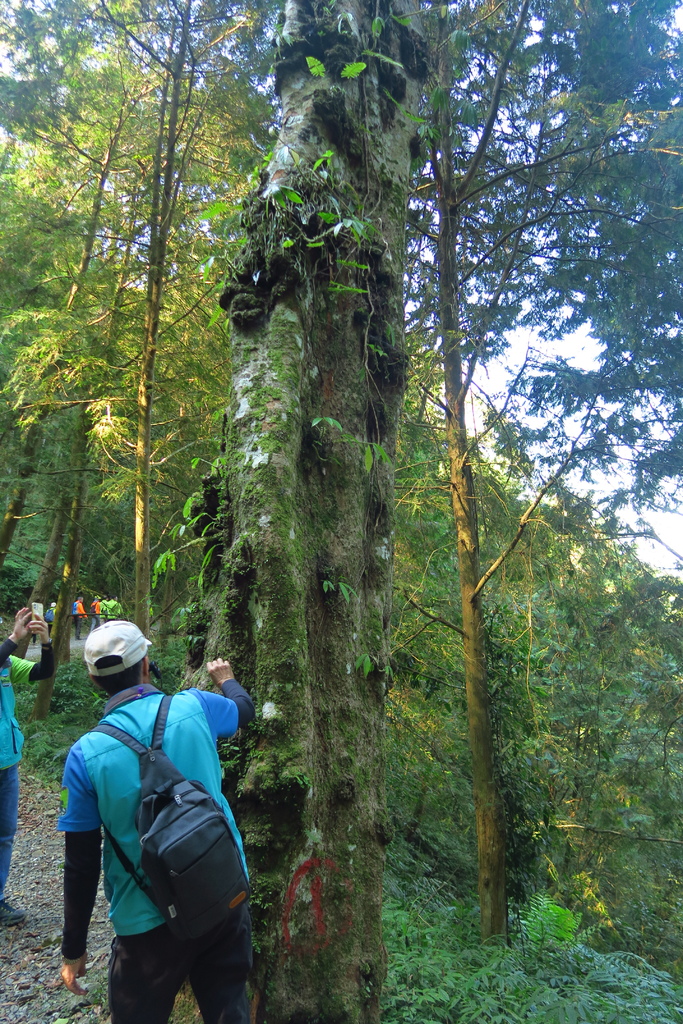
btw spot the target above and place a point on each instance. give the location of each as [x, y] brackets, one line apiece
[246, 711]
[81, 876]
[43, 669]
[7, 647]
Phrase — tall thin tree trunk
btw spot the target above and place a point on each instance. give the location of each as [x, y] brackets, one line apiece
[48, 570]
[161, 220]
[94, 221]
[298, 577]
[61, 629]
[488, 803]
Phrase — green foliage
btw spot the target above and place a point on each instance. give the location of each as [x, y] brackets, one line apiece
[71, 184]
[353, 70]
[316, 67]
[170, 656]
[364, 662]
[345, 588]
[544, 922]
[585, 661]
[16, 581]
[429, 792]
[439, 973]
[372, 451]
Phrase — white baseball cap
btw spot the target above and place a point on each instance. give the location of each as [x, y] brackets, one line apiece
[116, 638]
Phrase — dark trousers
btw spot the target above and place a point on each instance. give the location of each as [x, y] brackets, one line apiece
[146, 972]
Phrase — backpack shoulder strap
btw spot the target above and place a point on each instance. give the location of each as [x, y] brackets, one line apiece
[138, 877]
[121, 735]
[160, 722]
[124, 737]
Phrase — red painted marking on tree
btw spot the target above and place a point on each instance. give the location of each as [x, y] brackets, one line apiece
[316, 901]
[312, 866]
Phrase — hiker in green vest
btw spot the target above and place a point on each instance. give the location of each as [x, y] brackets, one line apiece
[12, 671]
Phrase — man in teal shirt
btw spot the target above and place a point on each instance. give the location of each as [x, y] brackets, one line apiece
[101, 787]
[15, 670]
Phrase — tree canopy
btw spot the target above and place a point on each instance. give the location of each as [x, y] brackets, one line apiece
[288, 304]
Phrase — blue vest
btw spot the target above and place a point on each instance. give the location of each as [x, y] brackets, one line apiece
[114, 771]
[11, 737]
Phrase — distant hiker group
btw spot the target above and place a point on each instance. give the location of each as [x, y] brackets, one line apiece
[102, 609]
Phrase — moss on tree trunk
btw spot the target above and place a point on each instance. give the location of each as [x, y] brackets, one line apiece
[298, 583]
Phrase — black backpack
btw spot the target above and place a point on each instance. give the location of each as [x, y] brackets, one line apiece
[193, 869]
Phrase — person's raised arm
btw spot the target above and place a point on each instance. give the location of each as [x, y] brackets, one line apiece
[21, 625]
[7, 647]
[220, 672]
[46, 666]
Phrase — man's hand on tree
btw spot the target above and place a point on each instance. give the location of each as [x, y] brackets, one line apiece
[219, 670]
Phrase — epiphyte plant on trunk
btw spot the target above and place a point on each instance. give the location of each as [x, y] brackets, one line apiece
[304, 498]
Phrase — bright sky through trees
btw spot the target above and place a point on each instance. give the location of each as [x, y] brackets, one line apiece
[581, 350]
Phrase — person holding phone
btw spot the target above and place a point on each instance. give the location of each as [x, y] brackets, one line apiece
[14, 670]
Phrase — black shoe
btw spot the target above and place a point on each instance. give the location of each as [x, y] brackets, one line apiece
[10, 915]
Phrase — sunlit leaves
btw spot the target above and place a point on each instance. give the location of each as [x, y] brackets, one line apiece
[316, 67]
[353, 70]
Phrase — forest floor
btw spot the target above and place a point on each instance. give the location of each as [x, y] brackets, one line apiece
[31, 990]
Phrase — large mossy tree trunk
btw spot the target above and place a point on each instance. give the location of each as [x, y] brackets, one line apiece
[299, 564]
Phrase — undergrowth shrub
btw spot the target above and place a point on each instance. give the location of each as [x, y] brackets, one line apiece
[545, 922]
[429, 796]
[439, 973]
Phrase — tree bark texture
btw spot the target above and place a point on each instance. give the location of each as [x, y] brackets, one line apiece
[298, 573]
[61, 629]
[488, 803]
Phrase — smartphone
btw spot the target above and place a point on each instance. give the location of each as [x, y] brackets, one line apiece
[37, 610]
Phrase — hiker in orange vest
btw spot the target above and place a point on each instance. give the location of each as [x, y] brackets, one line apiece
[95, 608]
[79, 613]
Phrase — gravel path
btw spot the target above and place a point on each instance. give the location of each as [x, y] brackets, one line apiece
[31, 990]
